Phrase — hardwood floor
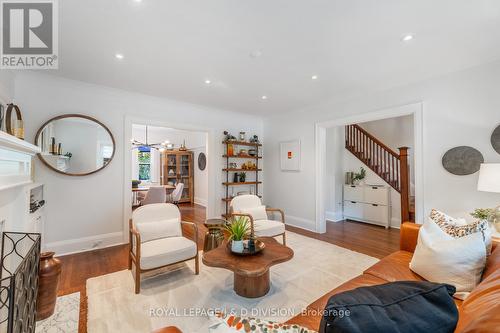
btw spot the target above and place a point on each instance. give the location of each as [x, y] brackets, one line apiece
[365, 238]
[77, 268]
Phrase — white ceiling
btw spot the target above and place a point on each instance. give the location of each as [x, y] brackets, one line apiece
[171, 47]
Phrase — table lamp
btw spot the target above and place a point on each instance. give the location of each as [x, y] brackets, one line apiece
[489, 181]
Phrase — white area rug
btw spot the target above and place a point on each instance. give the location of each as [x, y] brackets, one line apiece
[181, 299]
[65, 317]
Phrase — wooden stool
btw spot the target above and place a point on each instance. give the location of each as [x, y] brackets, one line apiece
[214, 235]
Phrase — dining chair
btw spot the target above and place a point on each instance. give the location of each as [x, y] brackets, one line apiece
[176, 194]
[155, 194]
[156, 240]
[250, 206]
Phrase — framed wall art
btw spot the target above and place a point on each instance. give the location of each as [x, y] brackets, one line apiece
[290, 155]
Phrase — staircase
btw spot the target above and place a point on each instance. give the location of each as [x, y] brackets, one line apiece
[392, 167]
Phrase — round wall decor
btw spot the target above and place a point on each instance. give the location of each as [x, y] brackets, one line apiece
[495, 139]
[202, 161]
[462, 160]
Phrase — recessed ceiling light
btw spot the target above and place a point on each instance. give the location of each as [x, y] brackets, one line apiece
[264, 97]
[407, 38]
[208, 81]
[314, 77]
[119, 56]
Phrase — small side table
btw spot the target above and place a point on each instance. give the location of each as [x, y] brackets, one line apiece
[214, 235]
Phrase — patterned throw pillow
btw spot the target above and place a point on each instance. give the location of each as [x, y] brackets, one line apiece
[459, 228]
[226, 323]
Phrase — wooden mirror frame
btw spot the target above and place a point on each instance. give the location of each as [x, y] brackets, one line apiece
[75, 115]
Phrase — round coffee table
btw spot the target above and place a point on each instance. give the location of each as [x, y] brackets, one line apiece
[251, 273]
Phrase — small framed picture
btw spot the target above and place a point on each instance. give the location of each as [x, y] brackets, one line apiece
[290, 155]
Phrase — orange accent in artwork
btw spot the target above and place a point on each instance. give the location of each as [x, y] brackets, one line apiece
[289, 155]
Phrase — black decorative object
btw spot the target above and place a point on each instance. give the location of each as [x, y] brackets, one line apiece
[462, 160]
[20, 262]
[202, 161]
[254, 139]
[235, 177]
[495, 139]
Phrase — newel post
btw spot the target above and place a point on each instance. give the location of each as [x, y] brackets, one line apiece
[405, 184]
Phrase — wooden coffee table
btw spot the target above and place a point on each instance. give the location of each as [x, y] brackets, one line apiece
[251, 273]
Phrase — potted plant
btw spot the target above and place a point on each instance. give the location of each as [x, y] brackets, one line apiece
[238, 229]
[359, 176]
[482, 213]
[135, 183]
[242, 176]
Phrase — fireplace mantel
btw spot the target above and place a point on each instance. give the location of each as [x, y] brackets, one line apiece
[16, 158]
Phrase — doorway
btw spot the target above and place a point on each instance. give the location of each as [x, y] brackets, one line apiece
[184, 139]
[172, 158]
[330, 175]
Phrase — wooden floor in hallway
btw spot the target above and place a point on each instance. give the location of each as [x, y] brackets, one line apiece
[77, 268]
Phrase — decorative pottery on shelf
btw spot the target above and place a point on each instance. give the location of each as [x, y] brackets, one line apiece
[49, 275]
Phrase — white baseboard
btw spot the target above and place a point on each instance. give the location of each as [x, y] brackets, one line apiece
[334, 216]
[300, 223]
[201, 201]
[85, 243]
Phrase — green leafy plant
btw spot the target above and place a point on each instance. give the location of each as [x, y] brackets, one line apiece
[361, 175]
[135, 183]
[482, 213]
[238, 228]
[242, 176]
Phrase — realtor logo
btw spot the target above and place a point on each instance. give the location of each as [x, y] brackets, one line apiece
[29, 34]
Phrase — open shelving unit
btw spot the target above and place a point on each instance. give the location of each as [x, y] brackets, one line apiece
[230, 171]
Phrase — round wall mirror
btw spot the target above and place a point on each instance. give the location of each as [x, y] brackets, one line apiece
[75, 145]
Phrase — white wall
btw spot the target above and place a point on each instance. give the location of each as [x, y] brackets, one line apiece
[83, 212]
[334, 173]
[459, 109]
[195, 141]
[6, 85]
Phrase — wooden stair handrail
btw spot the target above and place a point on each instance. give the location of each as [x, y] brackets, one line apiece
[385, 162]
[377, 141]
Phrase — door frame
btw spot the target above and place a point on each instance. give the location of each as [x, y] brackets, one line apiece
[211, 209]
[415, 109]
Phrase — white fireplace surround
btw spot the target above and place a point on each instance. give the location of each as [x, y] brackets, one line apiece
[16, 181]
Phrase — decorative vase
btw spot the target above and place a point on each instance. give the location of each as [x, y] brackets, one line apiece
[48, 284]
[237, 246]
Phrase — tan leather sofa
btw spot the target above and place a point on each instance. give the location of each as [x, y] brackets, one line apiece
[480, 312]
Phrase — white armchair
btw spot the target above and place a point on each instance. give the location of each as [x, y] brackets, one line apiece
[251, 206]
[156, 240]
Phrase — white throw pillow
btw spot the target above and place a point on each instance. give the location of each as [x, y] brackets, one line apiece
[460, 228]
[441, 218]
[159, 229]
[441, 258]
[258, 213]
